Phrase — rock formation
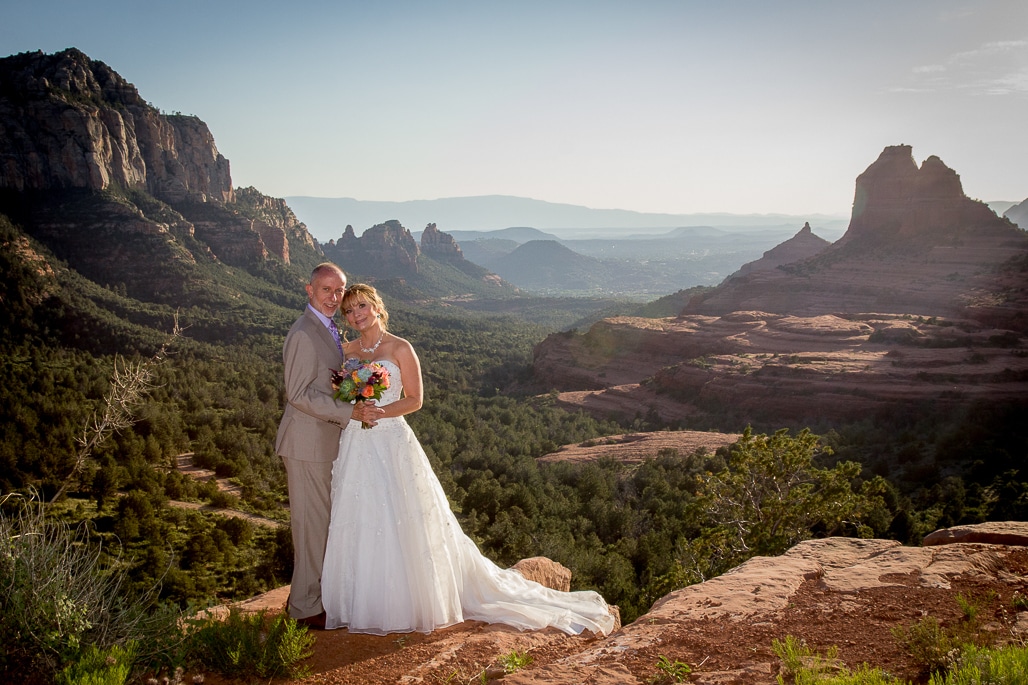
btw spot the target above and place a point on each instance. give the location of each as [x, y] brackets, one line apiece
[757, 366]
[846, 593]
[274, 222]
[109, 183]
[799, 247]
[924, 299]
[896, 202]
[385, 250]
[72, 122]
[915, 245]
[440, 246]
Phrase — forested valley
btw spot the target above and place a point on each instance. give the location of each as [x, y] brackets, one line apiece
[632, 532]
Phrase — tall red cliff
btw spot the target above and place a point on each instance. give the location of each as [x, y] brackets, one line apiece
[88, 166]
[73, 122]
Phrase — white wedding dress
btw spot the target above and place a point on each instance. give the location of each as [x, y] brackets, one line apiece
[397, 560]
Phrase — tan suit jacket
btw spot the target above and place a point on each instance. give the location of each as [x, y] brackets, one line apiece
[308, 441]
[313, 419]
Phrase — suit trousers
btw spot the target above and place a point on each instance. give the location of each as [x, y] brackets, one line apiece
[310, 506]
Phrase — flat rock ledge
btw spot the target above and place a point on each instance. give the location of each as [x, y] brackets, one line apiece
[762, 590]
[835, 591]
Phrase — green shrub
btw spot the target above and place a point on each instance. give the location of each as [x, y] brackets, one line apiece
[95, 666]
[249, 645]
[984, 666]
[930, 645]
[63, 599]
[515, 660]
[670, 671]
[803, 666]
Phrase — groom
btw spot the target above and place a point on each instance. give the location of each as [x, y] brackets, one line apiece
[308, 437]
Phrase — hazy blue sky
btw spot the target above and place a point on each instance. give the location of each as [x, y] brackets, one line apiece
[658, 106]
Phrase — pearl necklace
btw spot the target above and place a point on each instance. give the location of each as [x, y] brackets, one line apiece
[371, 350]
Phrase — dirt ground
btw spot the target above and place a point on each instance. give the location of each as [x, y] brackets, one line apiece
[859, 624]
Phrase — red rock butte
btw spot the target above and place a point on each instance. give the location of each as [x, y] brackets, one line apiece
[924, 298]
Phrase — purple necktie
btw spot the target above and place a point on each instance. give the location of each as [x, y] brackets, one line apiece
[335, 334]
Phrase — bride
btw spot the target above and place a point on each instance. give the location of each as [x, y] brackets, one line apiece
[397, 560]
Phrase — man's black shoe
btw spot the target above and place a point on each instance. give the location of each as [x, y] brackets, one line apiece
[317, 621]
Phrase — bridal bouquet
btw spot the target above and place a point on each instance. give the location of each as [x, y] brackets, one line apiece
[360, 380]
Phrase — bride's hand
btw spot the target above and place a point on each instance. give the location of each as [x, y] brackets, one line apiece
[367, 412]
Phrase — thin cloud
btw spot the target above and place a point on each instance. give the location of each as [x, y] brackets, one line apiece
[988, 50]
[975, 71]
[1009, 84]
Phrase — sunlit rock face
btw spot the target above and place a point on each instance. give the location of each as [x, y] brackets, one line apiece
[112, 185]
[72, 122]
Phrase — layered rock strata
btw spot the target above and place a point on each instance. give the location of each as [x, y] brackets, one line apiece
[758, 366]
[72, 122]
[107, 181]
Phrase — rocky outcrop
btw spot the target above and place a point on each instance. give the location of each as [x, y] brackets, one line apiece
[846, 593]
[72, 122]
[112, 185]
[991, 533]
[801, 246]
[1018, 214]
[840, 592]
[915, 245]
[545, 572]
[234, 238]
[759, 366]
[440, 246]
[896, 202]
[274, 221]
[385, 250]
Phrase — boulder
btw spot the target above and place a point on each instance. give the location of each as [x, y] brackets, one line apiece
[992, 533]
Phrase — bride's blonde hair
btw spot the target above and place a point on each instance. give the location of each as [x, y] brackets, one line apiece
[359, 291]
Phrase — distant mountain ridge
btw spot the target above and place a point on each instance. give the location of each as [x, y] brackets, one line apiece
[1018, 214]
[637, 265]
[326, 218]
